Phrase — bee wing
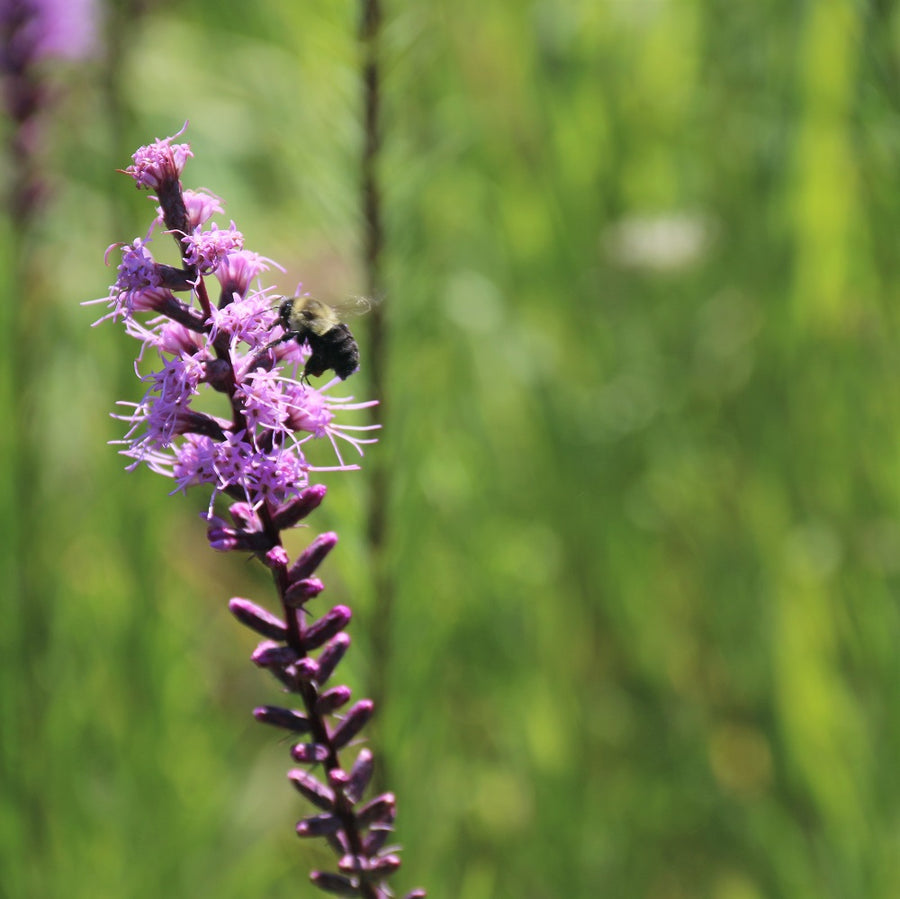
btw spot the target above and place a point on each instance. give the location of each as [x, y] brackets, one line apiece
[345, 307]
[354, 306]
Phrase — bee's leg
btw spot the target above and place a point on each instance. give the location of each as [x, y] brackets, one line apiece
[283, 339]
[263, 352]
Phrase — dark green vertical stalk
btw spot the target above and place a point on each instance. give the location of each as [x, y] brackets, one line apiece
[370, 29]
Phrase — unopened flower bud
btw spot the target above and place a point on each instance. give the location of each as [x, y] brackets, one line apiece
[290, 513]
[244, 516]
[276, 556]
[273, 655]
[337, 884]
[312, 788]
[332, 700]
[360, 775]
[306, 753]
[331, 656]
[222, 539]
[353, 864]
[302, 591]
[338, 778]
[225, 539]
[312, 556]
[288, 719]
[308, 669]
[374, 840]
[318, 825]
[287, 677]
[381, 810]
[384, 865]
[330, 624]
[257, 618]
[356, 720]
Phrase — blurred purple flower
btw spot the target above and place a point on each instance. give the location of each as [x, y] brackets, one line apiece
[68, 28]
[33, 32]
[50, 29]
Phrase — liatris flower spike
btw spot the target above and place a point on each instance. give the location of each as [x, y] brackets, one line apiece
[255, 462]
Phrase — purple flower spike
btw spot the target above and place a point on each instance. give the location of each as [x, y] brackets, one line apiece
[250, 459]
[32, 32]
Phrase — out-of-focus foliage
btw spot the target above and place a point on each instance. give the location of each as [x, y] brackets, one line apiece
[642, 428]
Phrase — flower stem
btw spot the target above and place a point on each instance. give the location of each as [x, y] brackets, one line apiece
[342, 807]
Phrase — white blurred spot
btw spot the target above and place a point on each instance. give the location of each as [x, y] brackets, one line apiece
[661, 242]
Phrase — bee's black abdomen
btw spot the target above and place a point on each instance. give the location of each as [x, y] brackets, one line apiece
[349, 352]
[335, 349]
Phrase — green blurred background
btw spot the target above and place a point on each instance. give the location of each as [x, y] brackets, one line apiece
[641, 432]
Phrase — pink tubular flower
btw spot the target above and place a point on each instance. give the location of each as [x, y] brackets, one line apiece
[201, 207]
[159, 163]
[205, 250]
[237, 270]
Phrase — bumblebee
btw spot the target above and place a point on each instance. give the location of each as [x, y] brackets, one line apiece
[318, 324]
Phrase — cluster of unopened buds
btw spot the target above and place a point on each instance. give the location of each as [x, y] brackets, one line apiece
[254, 460]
